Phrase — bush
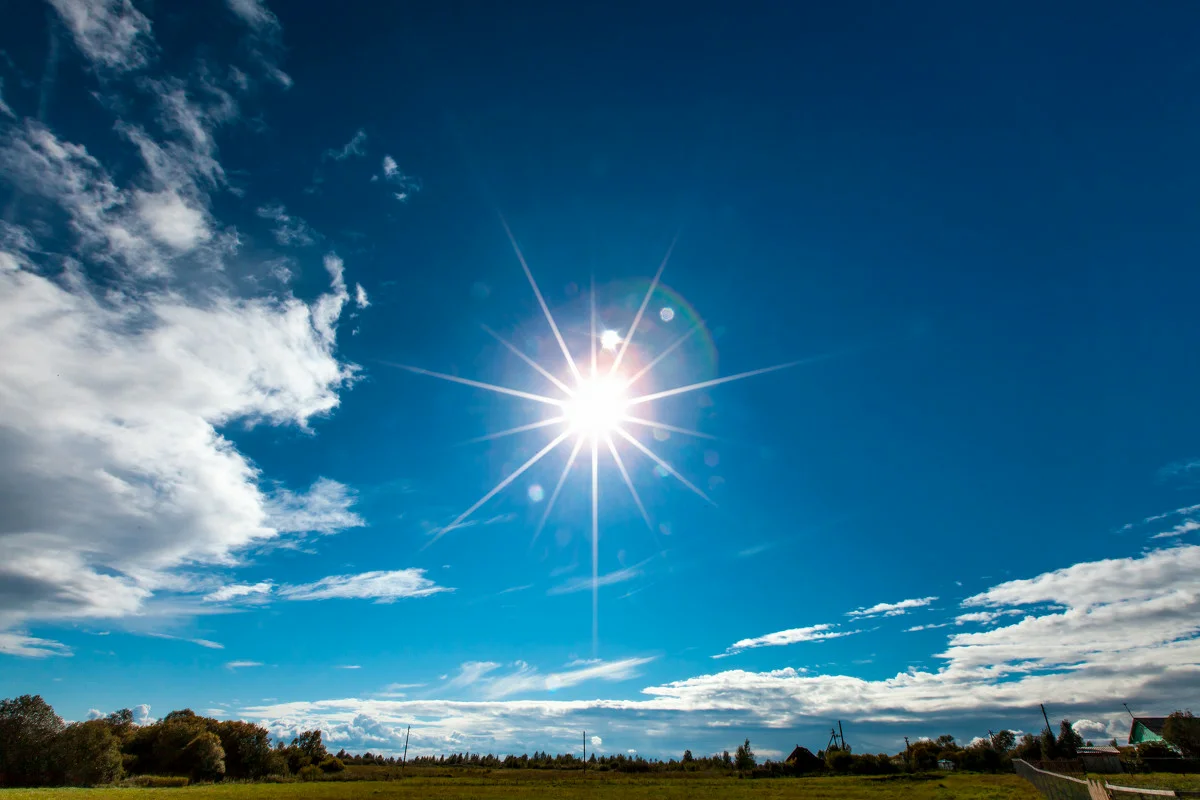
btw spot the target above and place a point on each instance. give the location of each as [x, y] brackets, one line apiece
[1183, 730]
[156, 782]
[88, 754]
[310, 773]
[332, 764]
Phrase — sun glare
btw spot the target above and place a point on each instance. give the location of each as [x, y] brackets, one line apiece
[596, 411]
[598, 406]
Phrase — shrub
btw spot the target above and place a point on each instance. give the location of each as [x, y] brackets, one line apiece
[310, 773]
[156, 782]
[332, 764]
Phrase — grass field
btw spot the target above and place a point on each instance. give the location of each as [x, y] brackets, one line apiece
[506, 784]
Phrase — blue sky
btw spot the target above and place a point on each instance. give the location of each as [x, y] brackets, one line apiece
[224, 225]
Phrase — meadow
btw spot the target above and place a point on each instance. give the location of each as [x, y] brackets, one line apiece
[506, 784]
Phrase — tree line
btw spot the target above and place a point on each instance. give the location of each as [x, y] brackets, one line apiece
[38, 749]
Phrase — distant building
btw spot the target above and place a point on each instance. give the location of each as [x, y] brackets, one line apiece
[1146, 729]
[946, 764]
[803, 760]
[1101, 760]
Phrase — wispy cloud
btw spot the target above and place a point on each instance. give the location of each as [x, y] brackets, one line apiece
[890, 609]
[986, 617]
[526, 679]
[755, 550]
[242, 664]
[18, 644]
[380, 586]
[348, 666]
[929, 627]
[236, 591]
[113, 34]
[584, 582]
[813, 633]
[355, 147]
[289, 231]
[210, 644]
[1183, 528]
[470, 673]
[512, 589]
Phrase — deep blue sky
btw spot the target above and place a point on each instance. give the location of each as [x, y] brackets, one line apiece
[985, 225]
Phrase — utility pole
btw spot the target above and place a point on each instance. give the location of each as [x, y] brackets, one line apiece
[1131, 716]
[841, 734]
[907, 753]
[1043, 707]
[585, 752]
[405, 759]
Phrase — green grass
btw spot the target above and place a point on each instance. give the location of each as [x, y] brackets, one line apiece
[1157, 780]
[513, 784]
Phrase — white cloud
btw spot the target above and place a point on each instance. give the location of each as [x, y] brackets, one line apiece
[4, 109]
[288, 231]
[1185, 527]
[584, 582]
[985, 617]
[17, 644]
[813, 633]
[141, 714]
[469, 673]
[114, 472]
[348, 666]
[926, 627]
[254, 13]
[210, 644]
[354, 147]
[324, 508]
[393, 174]
[112, 33]
[381, 586]
[891, 609]
[242, 664]
[390, 168]
[235, 591]
[360, 296]
[527, 679]
[597, 742]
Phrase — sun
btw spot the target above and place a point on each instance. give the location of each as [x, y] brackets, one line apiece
[597, 407]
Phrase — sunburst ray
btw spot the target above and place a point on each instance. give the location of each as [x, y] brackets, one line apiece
[637, 318]
[557, 488]
[662, 426]
[491, 387]
[675, 344]
[567, 389]
[595, 548]
[541, 300]
[646, 398]
[544, 423]
[499, 487]
[671, 470]
[612, 448]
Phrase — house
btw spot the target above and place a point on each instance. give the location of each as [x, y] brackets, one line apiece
[946, 764]
[1101, 760]
[1146, 729]
[804, 761]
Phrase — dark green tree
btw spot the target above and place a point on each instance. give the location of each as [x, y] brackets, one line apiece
[88, 754]
[687, 757]
[743, 759]
[203, 757]
[28, 727]
[1004, 741]
[309, 743]
[1183, 730]
[1069, 741]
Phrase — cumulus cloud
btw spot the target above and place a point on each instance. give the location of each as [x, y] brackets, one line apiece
[380, 586]
[891, 609]
[115, 473]
[813, 633]
[1124, 627]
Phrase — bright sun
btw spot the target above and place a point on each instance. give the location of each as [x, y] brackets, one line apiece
[598, 406]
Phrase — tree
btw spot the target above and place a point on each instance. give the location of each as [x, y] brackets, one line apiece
[1004, 741]
[88, 754]
[743, 760]
[1183, 731]
[28, 726]
[1049, 746]
[1069, 741]
[309, 743]
[248, 751]
[946, 742]
[687, 757]
[204, 758]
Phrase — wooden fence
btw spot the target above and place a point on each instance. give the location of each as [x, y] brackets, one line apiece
[1054, 786]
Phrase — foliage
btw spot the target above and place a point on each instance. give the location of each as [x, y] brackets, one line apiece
[310, 773]
[1183, 730]
[743, 760]
[1049, 745]
[204, 758]
[156, 781]
[88, 754]
[1003, 741]
[28, 726]
[332, 764]
[1069, 741]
